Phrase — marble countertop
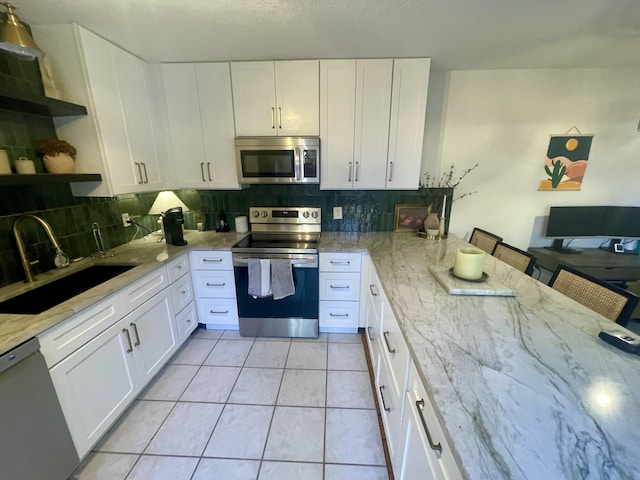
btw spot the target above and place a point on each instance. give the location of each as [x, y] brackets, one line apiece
[146, 253]
[523, 385]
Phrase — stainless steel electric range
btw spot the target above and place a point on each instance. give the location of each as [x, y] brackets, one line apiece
[280, 233]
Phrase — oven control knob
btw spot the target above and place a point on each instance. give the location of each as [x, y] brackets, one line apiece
[264, 214]
[314, 214]
[305, 214]
[256, 213]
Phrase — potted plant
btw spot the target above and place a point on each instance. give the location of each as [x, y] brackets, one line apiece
[58, 155]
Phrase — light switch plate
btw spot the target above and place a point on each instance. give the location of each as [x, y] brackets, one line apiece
[337, 213]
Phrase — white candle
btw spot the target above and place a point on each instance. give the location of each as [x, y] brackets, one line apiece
[444, 205]
[468, 263]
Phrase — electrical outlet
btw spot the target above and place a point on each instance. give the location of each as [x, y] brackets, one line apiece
[337, 213]
[126, 219]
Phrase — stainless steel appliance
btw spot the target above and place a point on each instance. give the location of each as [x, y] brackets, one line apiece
[280, 232]
[172, 221]
[35, 442]
[278, 159]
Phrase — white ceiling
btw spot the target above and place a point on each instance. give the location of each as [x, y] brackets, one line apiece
[456, 34]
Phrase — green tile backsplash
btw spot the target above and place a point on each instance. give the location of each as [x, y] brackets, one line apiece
[71, 218]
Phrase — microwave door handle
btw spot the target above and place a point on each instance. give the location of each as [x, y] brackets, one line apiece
[296, 166]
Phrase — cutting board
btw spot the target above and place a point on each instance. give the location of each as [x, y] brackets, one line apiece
[454, 286]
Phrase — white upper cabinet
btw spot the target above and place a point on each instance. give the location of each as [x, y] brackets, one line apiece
[372, 122]
[122, 136]
[200, 111]
[276, 98]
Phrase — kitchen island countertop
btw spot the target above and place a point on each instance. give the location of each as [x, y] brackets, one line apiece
[523, 386]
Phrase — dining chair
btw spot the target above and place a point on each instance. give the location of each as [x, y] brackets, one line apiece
[515, 257]
[602, 297]
[484, 240]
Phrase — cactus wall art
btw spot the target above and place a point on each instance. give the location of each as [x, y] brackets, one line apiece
[566, 162]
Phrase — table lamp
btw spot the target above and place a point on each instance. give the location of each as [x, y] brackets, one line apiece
[165, 201]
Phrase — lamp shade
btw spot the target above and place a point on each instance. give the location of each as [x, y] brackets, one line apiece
[166, 200]
[14, 37]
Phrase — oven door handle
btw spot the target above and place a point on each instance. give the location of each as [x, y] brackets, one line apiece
[305, 262]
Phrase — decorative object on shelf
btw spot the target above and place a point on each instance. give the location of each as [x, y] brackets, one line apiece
[566, 161]
[5, 166]
[24, 166]
[57, 155]
[14, 37]
[48, 82]
[409, 218]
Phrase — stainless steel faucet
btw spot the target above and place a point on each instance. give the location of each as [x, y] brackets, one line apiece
[61, 259]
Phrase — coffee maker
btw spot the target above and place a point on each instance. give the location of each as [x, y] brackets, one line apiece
[172, 220]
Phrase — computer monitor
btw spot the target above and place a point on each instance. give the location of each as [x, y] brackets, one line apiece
[592, 222]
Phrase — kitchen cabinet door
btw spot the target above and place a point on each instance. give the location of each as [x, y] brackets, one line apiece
[200, 112]
[154, 334]
[276, 98]
[406, 129]
[95, 384]
[337, 124]
[373, 101]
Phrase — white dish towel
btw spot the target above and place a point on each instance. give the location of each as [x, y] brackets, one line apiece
[259, 277]
[282, 279]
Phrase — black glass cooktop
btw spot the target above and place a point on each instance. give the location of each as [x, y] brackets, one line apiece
[290, 243]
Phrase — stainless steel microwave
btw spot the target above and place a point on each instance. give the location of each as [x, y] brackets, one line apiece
[278, 159]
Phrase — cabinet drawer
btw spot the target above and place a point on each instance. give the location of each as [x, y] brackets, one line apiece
[339, 316]
[187, 321]
[374, 293]
[391, 406]
[340, 286]
[340, 262]
[142, 290]
[394, 351]
[214, 284]
[181, 293]
[177, 267]
[211, 260]
[218, 311]
[65, 338]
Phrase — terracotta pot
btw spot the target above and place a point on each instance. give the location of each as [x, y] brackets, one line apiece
[59, 163]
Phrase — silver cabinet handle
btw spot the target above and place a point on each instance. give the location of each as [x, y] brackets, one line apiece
[188, 320]
[126, 332]
[183, 292]
[215, 260]
[340, 262]
[146, 177]
[384, 404]
[357, 170]
[222, 312]
[280, 117]
[202, 171]
[436, 447]
[339, 287]
[209, 171]
[350, 170]
[135, 330]
[371, 287]
[390, 170]
[137, 164]
[273, 117]
[338, 314]
[386, 340]
[216, 284]
[371, 338]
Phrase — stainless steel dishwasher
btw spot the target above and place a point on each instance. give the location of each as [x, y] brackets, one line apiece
[35, 443]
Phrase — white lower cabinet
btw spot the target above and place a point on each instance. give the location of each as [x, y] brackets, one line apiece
[101, 358]
[215, 290]
[391, 411]
[339, 295]
[426, 454]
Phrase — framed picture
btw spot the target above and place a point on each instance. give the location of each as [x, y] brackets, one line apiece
[409, 217]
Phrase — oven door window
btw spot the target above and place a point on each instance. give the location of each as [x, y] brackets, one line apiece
[268, 163]
[303, 304]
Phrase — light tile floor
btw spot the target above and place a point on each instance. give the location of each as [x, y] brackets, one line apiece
[234, 408]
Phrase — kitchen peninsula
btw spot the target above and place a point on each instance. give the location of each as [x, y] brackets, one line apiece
[522, 386]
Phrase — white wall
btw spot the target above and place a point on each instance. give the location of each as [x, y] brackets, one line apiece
[503, 118]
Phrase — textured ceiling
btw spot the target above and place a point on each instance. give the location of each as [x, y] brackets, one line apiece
[456, 34]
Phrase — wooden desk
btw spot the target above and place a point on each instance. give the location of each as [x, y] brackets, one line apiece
[613, 267]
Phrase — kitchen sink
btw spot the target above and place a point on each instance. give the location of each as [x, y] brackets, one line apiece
[51, 294]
